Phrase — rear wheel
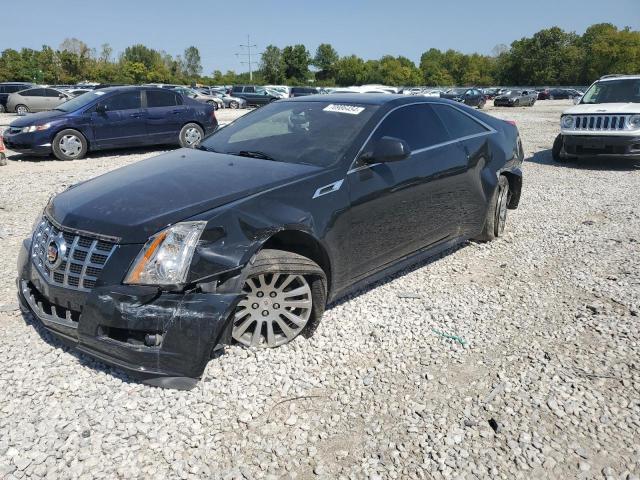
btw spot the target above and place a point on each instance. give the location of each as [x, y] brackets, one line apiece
[69, 144]
[234, 104]
[496, 219]
[285, 296]
[191, 135]
[22, 109]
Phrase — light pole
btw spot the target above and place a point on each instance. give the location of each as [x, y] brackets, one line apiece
[248, 46]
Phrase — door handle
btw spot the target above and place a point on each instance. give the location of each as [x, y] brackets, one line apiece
[175, 111]
[135, 115]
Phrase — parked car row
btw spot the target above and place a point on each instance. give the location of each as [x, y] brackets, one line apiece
[516, 98]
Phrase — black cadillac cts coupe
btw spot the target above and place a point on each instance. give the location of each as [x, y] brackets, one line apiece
[154, 266]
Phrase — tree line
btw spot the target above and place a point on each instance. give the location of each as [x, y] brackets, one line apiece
[549, 57]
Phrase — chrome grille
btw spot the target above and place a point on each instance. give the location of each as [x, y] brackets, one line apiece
[600, 123]
[82, 262]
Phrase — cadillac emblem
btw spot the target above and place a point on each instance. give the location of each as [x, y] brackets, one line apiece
[55, 252]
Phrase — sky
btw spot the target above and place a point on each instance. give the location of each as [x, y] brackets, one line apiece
[369, 29]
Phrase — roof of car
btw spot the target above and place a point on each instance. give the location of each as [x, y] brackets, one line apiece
[366, 98]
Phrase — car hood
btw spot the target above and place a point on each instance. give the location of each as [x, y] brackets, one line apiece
[136, 201]
[37, 118]
[596, 108]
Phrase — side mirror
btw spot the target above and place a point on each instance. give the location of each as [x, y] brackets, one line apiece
[387, 149]
[62, 95]
[101, 108]
[576, 100]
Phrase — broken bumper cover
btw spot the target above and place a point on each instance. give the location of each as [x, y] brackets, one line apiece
[114, 321]
[602, 146]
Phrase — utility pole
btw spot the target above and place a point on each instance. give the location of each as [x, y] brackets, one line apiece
[248, 46]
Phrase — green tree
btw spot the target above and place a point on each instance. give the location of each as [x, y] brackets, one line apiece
[141, 54]
[325, 59]
[351, 70]
[271, 65]
[192, 62]
[296, 61]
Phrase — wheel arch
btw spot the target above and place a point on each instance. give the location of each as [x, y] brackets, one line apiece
[77, 129]
[302, 243]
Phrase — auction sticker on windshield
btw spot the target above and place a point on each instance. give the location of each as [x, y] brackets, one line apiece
[350, 109]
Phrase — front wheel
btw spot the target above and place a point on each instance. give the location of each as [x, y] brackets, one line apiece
[69, 144]
[556, 150]
[285, 296]
[234, 104]
[496, 219]
[191, 135]
[22, 109]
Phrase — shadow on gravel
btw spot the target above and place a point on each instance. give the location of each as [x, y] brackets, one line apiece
[393, 276]
[83, 359]
[543, 157]
[20, 157]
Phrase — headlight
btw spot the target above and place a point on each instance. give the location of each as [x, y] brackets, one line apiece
[567, 121]
[166, 257]
[634, 121]
[34, 128]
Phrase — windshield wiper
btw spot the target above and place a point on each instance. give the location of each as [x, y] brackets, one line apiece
[252, 154]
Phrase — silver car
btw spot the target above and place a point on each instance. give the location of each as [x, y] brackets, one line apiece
[36, 99]
[200, 97]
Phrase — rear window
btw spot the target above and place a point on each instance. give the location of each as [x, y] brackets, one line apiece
[161, 98]
[459, 124]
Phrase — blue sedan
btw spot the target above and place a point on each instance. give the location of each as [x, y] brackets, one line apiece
[115, 117]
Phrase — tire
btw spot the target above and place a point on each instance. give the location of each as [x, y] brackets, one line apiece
[551, 97]
[259, 319]
[516, 103]
[481, 105]
[69, 144]
[234, 104]
[190, 135]
[496, 219]
[3, 109]
[3, 160]
[21, 109]
[556, 150]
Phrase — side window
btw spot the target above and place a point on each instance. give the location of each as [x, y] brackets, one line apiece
[123, 101]
[50, 92]
[249, 90]
[160, 98]
[418, 125]
[459, 124]
[34, 92]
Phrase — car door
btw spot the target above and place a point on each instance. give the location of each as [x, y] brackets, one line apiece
[119, 120]
[34, 99]
[473, 137]
[53, 98]
[165, 115]
[400, 207]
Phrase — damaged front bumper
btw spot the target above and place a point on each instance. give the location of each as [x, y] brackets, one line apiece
[162, 338]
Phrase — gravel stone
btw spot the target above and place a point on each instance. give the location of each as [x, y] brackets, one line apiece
[549, 314]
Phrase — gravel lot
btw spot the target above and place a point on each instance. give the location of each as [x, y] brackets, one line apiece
[546, 385]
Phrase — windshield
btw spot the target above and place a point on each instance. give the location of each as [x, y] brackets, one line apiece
[315, 133]
[614, 91]
[79, 101]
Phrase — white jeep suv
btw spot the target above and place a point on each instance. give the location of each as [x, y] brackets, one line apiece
[605, 122]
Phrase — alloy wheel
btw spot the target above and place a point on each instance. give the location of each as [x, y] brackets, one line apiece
[22, 110]
[70, 145]
[276, 309]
